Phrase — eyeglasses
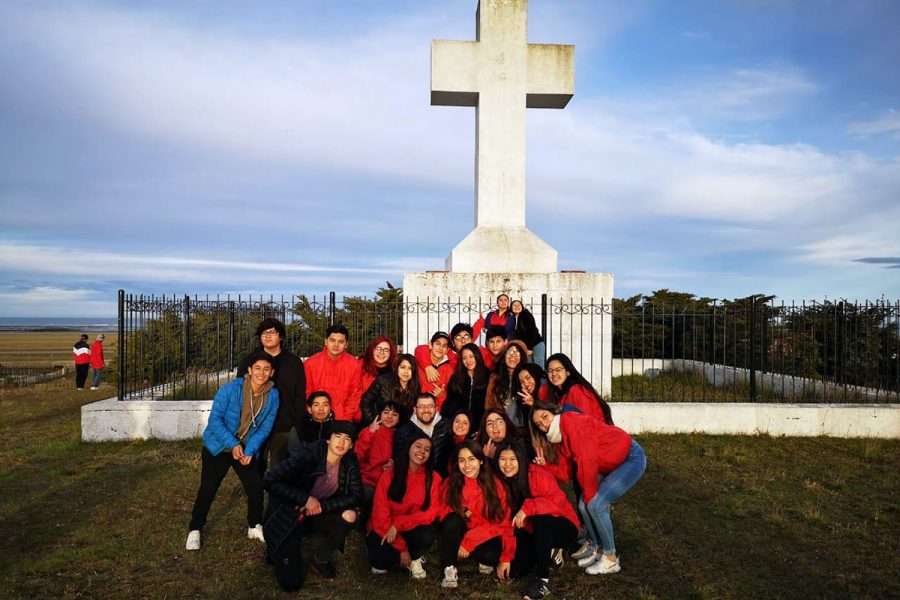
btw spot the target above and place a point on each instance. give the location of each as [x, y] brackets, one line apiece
[382, 350]
[462, 337]
[269, 333]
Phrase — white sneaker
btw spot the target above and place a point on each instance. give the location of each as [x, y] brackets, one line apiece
[378, 571]
[416, 569]
[450, 579]
[485, 569]
[604, 566]
[93, 387]
[256, 533]
[590, 559]
[585, 549]
[193, 541]
[557, 558]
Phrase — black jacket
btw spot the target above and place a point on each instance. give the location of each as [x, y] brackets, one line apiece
[471, 400]
[526, 329]
[290, 483]
[308, 431]
[441, 442]
[290, 381]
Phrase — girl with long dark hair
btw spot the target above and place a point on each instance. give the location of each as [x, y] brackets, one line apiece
[476, 519]
[495, 428]
[542, 517]
[527, 331]
[379, 358]
[568, 386]
[407, 501]
[608, 462]
[468, 385]
[500, 392]
[400, 386]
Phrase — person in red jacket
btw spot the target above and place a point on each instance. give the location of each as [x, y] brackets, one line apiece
[608, 463]
[335, 371]
[81, 355]
[568, 386]
[542, 516]
[438, 360]
[374, 447]
[97, 364]
[475, 520]
[407, 502]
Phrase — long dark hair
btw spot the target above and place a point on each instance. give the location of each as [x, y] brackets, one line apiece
[395, 392]
[512, 432]
[401, 470]
[368, 357]
[518, 488]
[494, 510]
[460, 379]
[575, 378]
[538, 441]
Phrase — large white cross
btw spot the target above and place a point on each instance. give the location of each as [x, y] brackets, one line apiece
[501, 75]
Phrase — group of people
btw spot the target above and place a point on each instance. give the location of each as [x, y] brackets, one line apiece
[86, 357]
[455, 442]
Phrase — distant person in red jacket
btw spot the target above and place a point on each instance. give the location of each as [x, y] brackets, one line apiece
[496, 344]
[435, 369]
[336, 372]
[97, 363]
[607, 462]
[502, 316]
[568, 386]
[81, 354]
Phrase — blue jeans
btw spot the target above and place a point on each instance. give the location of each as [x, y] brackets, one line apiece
[539, 354]
[595, 513]
[98, 375]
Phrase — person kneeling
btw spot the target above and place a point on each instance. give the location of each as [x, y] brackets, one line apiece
[406, 503]
[316, 490]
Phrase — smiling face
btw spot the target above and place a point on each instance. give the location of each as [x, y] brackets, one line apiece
[461, 339]
[439, 349]
[419, 452]
[425, 410]
[512, 357]
[468, 463]
[319, 409]
[389, 418]
[526, 381]
[382, 354]
[270, 339]
[508, 463]
[404, 371]
[339, 443]
[495, 344]
[516, 307]
[542, 418]
[495, 427]
[260, 372]
[468, 360]
[502, 301]
[461, 425]
[557, 373]
[335, 344]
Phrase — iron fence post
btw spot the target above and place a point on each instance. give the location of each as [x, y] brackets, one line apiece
[331, 309]
[544, 320]
[186, 331]
[230, 335]
[120, 392]
[753, 397]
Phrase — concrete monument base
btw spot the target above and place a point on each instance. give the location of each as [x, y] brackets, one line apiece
[502, 250]
[579, 311]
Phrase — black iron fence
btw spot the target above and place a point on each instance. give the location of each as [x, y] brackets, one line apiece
[181, 347]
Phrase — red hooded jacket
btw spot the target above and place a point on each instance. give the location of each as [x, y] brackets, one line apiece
[408, 514]
[595, 447]
[581, 398]
[548, 498]
[341, 377]
[373, 451]
[480, 529]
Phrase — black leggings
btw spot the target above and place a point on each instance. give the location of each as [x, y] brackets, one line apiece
[533, 549]
[385, 556]
[453, 529]
[212, 471]
[287, 558]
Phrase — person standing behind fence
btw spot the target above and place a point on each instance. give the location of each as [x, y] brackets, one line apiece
[97, 363]
[335, 371]
[527, 331]
[289, 380]
[241, 418]
[81, 354]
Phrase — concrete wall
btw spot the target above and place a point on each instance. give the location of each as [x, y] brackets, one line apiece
[111, 420]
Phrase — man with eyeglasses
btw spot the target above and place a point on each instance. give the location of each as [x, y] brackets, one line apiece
[290, 381]
[427, 418]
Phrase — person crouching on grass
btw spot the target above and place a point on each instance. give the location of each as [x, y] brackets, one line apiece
[241, 419]
[316, 490]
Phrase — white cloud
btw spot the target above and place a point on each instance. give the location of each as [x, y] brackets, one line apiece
[888, 123]
[48, 301]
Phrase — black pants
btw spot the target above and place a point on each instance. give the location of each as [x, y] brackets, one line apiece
[385, 556]
[287, 558]
[533, 549]
[273, 451]
[81, 373]
[453, 529]
[212, 471]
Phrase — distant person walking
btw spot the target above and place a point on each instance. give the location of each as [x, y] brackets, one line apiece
[97, 363]
[81, 354]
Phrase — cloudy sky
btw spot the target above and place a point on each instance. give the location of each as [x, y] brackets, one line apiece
[721, 148]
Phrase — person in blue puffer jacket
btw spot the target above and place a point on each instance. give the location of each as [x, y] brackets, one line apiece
[242, 416]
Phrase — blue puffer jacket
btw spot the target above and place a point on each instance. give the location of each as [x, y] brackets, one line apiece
[225, 418]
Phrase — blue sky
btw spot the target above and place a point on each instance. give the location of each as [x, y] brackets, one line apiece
[720, 148]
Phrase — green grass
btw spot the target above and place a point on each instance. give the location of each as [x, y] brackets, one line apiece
[714, 517]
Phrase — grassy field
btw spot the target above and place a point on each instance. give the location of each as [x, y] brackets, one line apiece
[714, 517]
[47, 346]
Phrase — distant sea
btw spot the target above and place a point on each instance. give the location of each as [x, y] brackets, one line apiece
[85, 324]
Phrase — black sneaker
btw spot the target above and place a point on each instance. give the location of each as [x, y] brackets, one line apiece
[326, 570]
[537, 590]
